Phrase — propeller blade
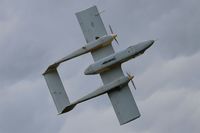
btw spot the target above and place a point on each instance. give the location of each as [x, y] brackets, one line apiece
[128, 74]
[131, 80]
[116, 41]
[133, 84]
[110, 29]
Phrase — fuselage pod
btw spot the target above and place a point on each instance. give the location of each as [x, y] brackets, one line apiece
[118, 58]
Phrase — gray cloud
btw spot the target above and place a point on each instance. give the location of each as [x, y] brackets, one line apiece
[35, 33]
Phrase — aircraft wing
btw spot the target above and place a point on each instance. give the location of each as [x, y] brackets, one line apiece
[121, 99]
[92, 27]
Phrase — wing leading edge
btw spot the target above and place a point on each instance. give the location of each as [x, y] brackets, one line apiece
[121, 99]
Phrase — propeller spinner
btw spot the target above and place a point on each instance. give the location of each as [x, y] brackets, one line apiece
[131, 79]
[113, 33]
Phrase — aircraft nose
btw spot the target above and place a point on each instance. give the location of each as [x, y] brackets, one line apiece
[152, 42]
[149, 43]
[141, 47]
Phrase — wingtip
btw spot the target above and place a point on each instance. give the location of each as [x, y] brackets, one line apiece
[129, 120]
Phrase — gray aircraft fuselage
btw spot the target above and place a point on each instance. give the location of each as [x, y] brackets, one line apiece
[118, 58]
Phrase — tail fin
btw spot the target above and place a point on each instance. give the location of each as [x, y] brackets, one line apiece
[57, 90]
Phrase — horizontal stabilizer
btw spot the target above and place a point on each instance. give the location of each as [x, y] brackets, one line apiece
[57, 90]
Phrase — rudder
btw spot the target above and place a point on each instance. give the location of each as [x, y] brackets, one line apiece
[57, 90]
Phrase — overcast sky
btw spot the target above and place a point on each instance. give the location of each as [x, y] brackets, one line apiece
[35, 33]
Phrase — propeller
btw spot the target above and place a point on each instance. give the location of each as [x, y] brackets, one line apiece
[113, 33]
[131, 79]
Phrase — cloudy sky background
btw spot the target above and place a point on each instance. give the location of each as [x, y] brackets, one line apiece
[35, 33]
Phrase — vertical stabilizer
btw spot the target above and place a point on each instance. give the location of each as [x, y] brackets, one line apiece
[57, 90]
